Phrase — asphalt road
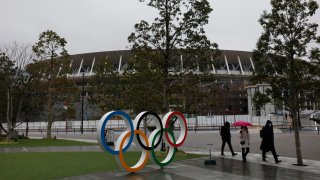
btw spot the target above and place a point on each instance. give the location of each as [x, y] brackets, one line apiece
[284, 141]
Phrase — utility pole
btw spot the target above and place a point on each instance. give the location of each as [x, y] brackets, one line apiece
[82, 101]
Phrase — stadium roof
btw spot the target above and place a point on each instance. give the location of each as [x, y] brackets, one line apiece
[229, 62]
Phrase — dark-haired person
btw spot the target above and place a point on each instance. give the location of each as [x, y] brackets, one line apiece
[267, 143]
[226, 138]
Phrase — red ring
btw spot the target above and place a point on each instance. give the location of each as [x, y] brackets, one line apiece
[186, 129]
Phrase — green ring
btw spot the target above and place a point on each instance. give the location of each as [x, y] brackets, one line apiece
[153, 153]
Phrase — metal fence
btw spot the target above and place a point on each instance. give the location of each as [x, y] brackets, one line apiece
[193, 123]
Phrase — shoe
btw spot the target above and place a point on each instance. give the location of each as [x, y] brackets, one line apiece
[264, 160]
[244, 160]
[278, 161]
[222, 154]
[234, 154]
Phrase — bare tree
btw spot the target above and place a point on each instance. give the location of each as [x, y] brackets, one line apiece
[14, 59]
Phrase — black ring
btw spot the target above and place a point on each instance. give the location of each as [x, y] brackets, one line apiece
[161, 130]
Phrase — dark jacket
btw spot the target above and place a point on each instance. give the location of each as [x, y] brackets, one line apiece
[225, 132]
[267, 143]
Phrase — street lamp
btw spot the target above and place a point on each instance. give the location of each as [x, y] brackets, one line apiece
[225, 89]
[82, 100]
[65, 107]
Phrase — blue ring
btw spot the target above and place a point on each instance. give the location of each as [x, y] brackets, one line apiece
[126, 117]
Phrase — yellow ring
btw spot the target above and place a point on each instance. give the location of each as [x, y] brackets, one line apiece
[142, 162]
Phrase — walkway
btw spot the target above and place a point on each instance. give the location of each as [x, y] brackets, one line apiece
[195, 169]
[284, 141]
[227, 167]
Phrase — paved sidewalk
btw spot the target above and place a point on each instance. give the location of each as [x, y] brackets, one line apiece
[284, 142]
[312, 166]
[194, 169]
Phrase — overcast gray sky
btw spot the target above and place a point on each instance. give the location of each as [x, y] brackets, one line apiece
[104, 25]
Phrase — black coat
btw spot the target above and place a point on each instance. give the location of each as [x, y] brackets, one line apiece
[267, 143]
[225, 133]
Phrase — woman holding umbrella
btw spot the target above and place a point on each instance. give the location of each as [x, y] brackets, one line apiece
[244, 138]
[244, 142]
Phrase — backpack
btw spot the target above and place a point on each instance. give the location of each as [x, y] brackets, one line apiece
[261, 133]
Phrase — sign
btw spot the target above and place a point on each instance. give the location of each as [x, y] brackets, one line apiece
[145, 144]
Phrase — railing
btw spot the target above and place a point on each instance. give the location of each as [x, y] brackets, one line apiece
[194, 123]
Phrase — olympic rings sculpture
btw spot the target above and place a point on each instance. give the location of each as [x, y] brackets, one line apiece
[141, 140]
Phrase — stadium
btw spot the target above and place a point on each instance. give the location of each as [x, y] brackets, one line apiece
[231, 69]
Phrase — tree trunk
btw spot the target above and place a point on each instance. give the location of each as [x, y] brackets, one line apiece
[294, 110]
[49, 127]
[166, 98]
[295, 107]
[2, 129]
[27, 126]
[50, 100]
[297, 139]
[50, 115]
[8, 138]
[298, 148]
[8, 115]
[166, 59]
[18, 113]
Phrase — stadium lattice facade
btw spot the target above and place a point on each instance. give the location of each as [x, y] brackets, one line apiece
[232, 70]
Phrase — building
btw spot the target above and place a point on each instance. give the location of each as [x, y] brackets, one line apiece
[267, 109]
[232, 70]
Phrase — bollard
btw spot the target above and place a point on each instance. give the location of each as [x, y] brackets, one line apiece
[210, 161]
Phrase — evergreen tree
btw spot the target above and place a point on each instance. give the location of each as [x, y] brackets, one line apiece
[174, 46]
[281, 53]
[51, 68]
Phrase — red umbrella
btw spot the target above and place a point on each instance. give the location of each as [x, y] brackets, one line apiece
[241, 123]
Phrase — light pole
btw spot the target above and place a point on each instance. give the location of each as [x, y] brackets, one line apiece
[82, 101]
[225, 88]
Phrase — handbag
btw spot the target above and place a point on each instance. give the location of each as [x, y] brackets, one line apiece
[242, 142]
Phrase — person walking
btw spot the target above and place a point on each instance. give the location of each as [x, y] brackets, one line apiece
[244, 142]
[226, 138]
[267, 143]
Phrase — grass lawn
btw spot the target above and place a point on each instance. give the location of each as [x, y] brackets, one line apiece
[43, 142]
[61, 164]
